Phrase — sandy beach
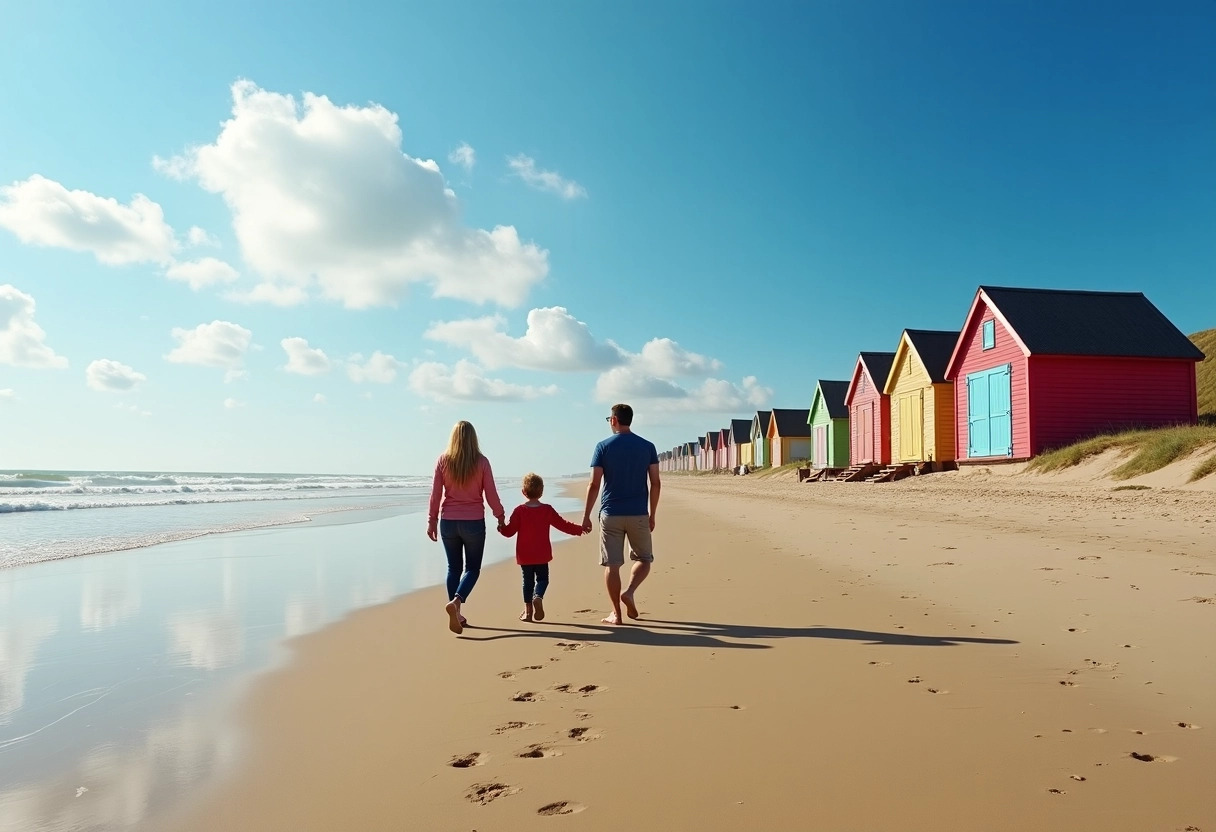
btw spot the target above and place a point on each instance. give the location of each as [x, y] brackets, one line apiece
[976, 650]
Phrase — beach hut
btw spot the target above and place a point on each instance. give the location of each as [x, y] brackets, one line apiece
[1035, 369]
[869, 410]
[760, 454]
[713, 441]
[922, 400]
[703, 458]
[829, 421]
[789, 436]
[739, 443]
[724, 449]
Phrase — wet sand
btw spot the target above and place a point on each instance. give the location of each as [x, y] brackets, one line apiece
[966, 651]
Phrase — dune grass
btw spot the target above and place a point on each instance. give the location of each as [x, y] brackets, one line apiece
[1146, 451]
[770, 471]
[1205, 374]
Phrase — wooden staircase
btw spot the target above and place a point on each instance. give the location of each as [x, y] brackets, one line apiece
[891, 473]
[822, 474]
[855, 473]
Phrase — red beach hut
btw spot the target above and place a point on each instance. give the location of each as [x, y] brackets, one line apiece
[1036, 369]
[869, 410]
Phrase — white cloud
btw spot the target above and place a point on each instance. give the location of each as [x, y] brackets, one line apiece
[665, 358]
[43, 212]
[466, 382]
[217, 344]
[554, 340]
[465, 156]
[713, 395]
[323, 198]
[112, 377]
[231, 403]
[200, 274]
[200, 237]
[7, 395]
[303, 359]
[272, 293]
[21, 340]
[380, 368]
[319, 398]
[544, 180]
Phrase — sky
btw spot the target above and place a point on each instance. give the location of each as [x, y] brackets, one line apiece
[243, 237]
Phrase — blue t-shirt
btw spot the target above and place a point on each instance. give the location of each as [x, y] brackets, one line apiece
[626, 458]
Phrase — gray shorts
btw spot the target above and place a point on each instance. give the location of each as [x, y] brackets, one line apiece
[614, 528]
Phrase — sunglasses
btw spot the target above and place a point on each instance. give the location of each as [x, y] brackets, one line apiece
[609, 418]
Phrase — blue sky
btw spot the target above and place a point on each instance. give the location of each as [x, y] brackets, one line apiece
[235, 237]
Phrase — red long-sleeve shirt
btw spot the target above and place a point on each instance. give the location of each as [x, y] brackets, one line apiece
[532, 524]
[463, 501]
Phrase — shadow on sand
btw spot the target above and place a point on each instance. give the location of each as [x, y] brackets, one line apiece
[659, 633]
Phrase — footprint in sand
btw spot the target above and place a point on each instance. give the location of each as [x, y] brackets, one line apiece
[1151, 758]
[943, 563]
[1068, 683]
[583, 611]
[484, 793]
[583, 734]
[1188, 725]
[881, 664]
[533, 667]
[1090, 557]
[537, 751]
[561, 807]
[572, 645]
[1056, 791]
[937, 690]
[468, 760]
[582, 715]
[506, 674]
[1199, 599]
[915, 680]
[514, 725]
[526, 696]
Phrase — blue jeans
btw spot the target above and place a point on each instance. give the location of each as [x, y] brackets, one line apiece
[464, 541]
[536, 580]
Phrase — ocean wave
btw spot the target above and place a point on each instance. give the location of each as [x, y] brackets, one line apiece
[145, 499]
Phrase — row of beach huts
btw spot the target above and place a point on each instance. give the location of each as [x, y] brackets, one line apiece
[1030, 370]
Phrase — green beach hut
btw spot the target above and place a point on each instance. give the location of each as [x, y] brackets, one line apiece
[829, 422]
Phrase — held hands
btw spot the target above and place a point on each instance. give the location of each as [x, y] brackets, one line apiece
[586, 524]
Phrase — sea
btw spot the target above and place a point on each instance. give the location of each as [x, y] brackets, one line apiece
[136, 607]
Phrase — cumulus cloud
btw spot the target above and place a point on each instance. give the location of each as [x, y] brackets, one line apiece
[465, 156]
[554, 340]
[7, 394]
[319, 398]
[200, 274]
[544, 180]
[303, 359]
[232, 404]
[200, 237]
[217, 344]
[112, 377]
[324, 199]
[43, 212]
[711, 396]
[380, 368]
[22, 340]
[466, 382]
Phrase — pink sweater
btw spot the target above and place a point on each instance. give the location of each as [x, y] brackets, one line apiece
[464, 502]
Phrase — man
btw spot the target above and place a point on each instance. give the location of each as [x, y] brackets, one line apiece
[628, 467]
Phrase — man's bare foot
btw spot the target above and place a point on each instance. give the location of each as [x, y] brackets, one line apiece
[538, 608]
[454, 623]
[630, 608]
[612, 619]
[525, 616]
[464, 622]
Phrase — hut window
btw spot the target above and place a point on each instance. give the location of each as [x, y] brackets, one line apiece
[989, 334]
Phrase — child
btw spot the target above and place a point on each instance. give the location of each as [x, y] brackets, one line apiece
[531, 522]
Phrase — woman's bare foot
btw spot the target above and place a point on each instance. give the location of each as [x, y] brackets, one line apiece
[453, 610]
[538, 608]
[630, 608]
[613, 618]
[526, 615]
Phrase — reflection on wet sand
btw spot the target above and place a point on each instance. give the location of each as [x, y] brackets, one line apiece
[19, 643]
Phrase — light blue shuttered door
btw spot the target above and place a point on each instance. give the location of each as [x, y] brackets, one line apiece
[990, 413]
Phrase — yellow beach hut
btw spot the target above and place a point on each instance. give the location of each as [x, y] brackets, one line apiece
[922, 400]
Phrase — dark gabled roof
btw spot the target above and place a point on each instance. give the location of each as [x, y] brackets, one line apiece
[833, 398]
[700, 441]
[879, 366]
[934, 346]
[691, 447]
[792, 423]
[714, 439]
[1062, 322]
[741, 431]
[763, 416]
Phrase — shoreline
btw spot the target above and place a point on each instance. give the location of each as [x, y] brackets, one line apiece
[837, 660]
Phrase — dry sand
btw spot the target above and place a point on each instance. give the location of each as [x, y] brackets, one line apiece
[982, 650]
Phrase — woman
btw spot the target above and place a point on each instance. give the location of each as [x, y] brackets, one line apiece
[462, 479]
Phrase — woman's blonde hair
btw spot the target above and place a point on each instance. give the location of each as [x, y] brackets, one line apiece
[463, 453]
